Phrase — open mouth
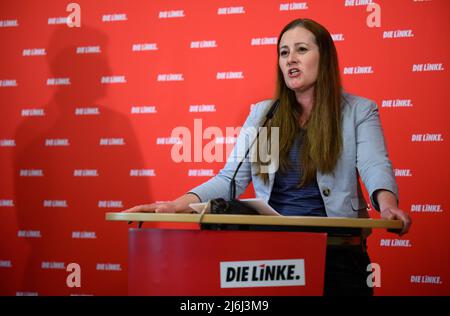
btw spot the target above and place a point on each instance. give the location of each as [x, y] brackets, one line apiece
[294, 72]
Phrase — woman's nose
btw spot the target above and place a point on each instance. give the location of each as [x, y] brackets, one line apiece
[292, 59]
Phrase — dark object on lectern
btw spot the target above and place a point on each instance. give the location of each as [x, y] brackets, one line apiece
[234, 206]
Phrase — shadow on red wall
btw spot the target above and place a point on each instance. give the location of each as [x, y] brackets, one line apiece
[61, 227]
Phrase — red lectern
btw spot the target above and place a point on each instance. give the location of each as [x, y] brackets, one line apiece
[189, 262]
[195, 262]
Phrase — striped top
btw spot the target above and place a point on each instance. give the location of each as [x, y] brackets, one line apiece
[290, 200]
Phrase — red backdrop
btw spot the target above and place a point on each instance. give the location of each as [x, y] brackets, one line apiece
[87, 115]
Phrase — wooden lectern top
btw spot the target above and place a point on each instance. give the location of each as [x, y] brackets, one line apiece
[309, 221]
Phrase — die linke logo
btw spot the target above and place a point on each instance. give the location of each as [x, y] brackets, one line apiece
[339, 37]
[169, 141]
[231, 75]
[170, 77]
[57, 20]
[395, 243]
[397, 103]
[355, 3]
[113, 79]
[428, 67]
[293, 6]
[7, 143]
[88, 50]
[8, 83]
[57, 142]
[110, 204]
[32, 112]
[142, 173]
[87, 111]
[403, 172]
[31, 173]
[202, 108]
[425, 208]
[5, 264]
[144, 47]
[34, 52]
[85, 173]
[143, 109]
[171, 14]
[200, 173]
[55, 203]
[358, 70]
[84, 235]
[262, 273]
[58, 81]
[29, 234]
[231, 10]
[9, 23]
[426, 279]
[114, 17]
[204, 44]
[6, 203]
[27, 293]
[53, 265]
[427, 138]
[259, 41]
[108, 267]
[112, 142]
[398, 34]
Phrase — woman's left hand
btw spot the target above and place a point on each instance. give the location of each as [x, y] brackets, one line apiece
[396, 213]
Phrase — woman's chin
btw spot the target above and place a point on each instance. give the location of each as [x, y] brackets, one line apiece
[296, 88]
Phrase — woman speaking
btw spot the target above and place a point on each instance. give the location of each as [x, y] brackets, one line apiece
[328, 139]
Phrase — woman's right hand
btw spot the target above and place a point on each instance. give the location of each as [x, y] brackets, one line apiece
[180, 205]
[166, 207]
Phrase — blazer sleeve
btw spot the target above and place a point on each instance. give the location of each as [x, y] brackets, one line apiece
[219, 185]
[372, 161]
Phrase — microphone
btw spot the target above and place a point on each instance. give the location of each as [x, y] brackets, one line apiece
[269, 115]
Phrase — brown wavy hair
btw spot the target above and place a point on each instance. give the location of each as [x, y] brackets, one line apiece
[322, 140]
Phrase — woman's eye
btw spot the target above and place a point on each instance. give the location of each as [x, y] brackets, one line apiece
[302, 49]
[283, 53]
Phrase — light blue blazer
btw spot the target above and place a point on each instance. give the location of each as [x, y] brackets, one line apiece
[364, 153]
